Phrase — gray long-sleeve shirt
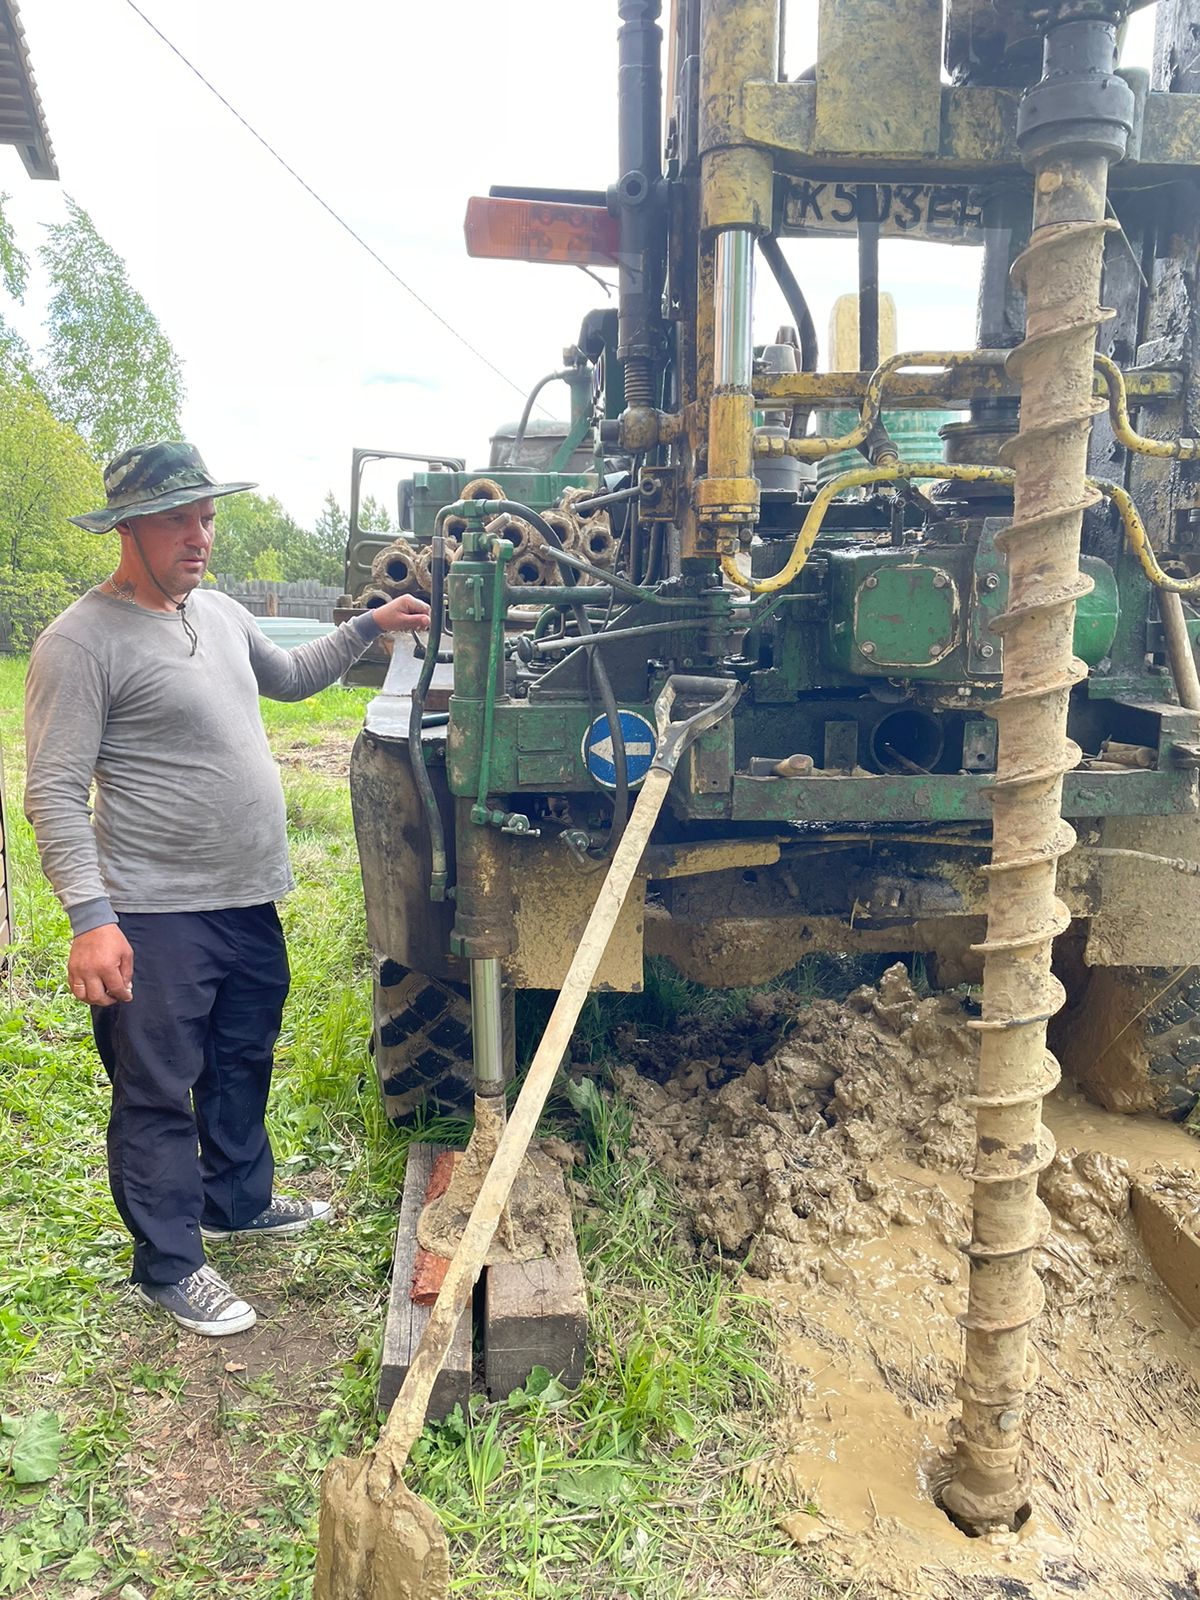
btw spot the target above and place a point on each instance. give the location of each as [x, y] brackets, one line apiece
[189, 809]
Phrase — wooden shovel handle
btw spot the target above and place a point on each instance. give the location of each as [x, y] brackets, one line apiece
[407, 1415]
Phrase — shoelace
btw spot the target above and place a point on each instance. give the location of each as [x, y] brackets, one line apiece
[206, 1289]
[288, 1207]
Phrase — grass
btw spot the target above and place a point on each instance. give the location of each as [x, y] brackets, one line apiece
[165, 1465]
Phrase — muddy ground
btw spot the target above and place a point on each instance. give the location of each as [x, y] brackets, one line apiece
[835, 1170]
[329, 756]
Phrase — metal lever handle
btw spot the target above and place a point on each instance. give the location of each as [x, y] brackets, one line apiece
[675, 736]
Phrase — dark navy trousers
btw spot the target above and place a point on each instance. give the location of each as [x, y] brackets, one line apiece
[190, 1060]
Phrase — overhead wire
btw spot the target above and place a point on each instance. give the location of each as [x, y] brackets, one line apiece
[324, 204]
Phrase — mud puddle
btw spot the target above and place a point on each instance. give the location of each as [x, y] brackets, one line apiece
[836, 1170]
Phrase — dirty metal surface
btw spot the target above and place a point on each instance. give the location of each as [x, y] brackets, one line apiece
[985, 380]
[885, 101]
[1148, 913]
[976, 136]
[733, 952]
[552, 901]
[940, 797]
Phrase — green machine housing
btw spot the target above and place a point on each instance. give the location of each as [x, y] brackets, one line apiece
[845, 804]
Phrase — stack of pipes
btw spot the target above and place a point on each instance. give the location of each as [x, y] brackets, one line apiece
[402, 567]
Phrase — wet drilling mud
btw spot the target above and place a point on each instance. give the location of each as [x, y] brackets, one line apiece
[835, 1172]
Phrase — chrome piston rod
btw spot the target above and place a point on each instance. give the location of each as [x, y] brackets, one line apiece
[487, 1026]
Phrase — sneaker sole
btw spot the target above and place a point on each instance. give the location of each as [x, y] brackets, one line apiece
[211, 1330]
[285, 1230]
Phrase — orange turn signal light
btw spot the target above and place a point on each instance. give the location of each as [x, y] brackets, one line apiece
[540, 230]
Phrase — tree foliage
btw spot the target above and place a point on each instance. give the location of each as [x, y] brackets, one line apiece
[268, 566]
[15, 356]
[374, 517]
[256, 538]
[108, 378]
[111, 371]
[47, 474]
[331, 530]
[29, 602]
[14, 263]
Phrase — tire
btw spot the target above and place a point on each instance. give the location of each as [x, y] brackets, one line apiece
[422, 1043]
[1131, 1039]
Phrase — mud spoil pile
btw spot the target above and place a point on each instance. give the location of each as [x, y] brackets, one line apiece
[836, 1170]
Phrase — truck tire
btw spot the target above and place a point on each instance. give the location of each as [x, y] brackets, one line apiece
[1131, 1039]
[421, 1042]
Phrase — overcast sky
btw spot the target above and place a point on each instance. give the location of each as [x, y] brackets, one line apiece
[296, 344]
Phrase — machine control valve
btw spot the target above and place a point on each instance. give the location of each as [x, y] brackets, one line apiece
[513, 822]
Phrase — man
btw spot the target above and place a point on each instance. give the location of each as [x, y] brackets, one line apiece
[148, 685]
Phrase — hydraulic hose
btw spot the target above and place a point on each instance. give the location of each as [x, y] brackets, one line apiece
[1139, 540]
[518, 438]
[868, 276]
[439, 870]
[793, 294]
[635, 591]
[1180, 653]
[811, 447]
[567, 566]
[814, 447]
[1118, 410]
[855, 478]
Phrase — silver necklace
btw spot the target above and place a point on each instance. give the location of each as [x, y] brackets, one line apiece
[120, 591]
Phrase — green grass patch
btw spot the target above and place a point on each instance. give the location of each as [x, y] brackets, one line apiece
[190, 1471]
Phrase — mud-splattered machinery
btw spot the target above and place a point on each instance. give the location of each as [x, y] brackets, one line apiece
[969, 713]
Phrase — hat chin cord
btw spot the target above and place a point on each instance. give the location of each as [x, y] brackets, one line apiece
[178, 604]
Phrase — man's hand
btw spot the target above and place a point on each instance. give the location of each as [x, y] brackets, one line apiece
[100, 968]
[405, 614]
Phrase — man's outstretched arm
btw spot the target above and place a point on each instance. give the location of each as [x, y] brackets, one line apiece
[295, 674]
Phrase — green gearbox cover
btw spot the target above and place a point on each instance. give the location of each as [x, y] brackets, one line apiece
[906, 615]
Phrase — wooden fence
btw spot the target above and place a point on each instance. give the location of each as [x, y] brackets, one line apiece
[306, 598]
[264, 598]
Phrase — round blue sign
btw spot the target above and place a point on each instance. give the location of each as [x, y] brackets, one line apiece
[640, 740]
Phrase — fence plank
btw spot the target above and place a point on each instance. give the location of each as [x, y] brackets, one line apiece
[302, 597]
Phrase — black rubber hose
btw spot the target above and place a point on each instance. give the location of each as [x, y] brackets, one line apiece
[868, 278]
[599, 672]
[518, 438]
[796, 303]
[416, 717]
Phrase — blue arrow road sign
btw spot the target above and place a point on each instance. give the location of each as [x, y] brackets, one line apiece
[639, 739]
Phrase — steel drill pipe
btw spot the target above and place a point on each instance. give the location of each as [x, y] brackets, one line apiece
[1073, 125]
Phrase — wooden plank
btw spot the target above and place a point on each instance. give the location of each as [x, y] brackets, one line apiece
[406, 1322]
[1172, 1242]
[535, 1314]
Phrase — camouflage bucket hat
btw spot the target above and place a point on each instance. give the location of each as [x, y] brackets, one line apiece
[150, 478]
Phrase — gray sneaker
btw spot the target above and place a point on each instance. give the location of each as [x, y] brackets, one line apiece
[201, 1303]
[283, 1219]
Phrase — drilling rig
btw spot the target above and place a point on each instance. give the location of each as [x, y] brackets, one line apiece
[967, 712]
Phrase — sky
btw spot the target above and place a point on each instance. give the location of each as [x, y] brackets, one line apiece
[296, 345]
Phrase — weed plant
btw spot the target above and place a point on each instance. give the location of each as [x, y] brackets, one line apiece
[138, 1461]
